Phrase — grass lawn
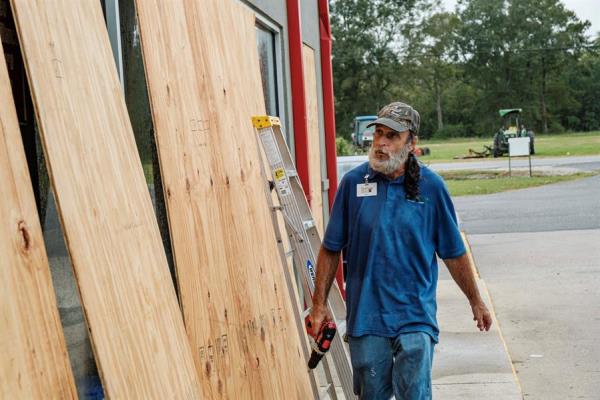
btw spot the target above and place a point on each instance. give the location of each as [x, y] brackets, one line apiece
[466, 183]
[568, 144]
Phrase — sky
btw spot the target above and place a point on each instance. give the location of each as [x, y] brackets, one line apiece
[585, 9]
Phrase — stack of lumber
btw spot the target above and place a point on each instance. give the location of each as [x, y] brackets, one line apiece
[233, 332]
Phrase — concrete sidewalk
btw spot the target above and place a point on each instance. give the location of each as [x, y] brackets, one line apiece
[469, 364]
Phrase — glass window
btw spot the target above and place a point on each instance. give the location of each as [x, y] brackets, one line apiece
[265, 39]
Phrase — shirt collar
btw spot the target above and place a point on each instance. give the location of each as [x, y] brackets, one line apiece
[373, 175]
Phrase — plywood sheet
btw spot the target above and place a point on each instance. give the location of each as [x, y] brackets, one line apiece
[113, 239]
[204, 83]
[34, 363]
[314, 137]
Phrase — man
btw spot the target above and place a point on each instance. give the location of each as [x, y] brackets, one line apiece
[523, 132]
[392, 215]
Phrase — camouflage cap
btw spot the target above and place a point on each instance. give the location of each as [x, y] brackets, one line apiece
[399, 117]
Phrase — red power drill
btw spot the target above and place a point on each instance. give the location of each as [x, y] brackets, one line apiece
[321, 343]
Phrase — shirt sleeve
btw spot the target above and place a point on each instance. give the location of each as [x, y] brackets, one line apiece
[336, 234]
[448, 240]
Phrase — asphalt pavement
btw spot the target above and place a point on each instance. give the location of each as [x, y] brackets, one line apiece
[577, 163]
[571, 205]
[571, 164]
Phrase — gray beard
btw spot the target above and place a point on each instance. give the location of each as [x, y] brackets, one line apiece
[392, 164]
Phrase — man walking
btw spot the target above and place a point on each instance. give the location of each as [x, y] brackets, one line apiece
[392, 216]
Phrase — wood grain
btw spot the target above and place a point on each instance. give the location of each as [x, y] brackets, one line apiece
[314, 136]
[204, 83]
[34, 363]
[111, 232]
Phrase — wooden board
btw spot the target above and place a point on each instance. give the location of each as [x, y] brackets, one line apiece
[34, 363]
[314, 136]
[204, 84]
[111, 232]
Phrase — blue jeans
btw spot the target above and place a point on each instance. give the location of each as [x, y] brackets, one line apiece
[400, 366]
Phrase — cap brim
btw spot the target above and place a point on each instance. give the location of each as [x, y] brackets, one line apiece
[390, 123]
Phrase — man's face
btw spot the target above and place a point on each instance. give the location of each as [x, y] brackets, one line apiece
[387, 140]
[390, 149]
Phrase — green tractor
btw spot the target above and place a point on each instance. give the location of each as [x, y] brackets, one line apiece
[511, 128]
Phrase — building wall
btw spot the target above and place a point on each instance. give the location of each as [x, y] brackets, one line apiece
[311, 37]
[276, 12]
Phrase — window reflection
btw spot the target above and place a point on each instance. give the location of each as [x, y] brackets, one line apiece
[265, 39]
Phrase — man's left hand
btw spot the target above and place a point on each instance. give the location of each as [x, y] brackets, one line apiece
[482, 315]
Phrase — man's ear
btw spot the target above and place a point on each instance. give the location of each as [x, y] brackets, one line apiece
[413, 141]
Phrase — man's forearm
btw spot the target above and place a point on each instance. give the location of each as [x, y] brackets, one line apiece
[462, 273]
[327, 264]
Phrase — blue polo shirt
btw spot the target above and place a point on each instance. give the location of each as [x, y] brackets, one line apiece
[391, 245]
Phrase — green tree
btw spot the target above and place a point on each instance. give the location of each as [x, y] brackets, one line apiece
[458, 68]
[555, 36]
[517, 50]
[431, 50]
[367, 70]
[584, 81]
[487, 50]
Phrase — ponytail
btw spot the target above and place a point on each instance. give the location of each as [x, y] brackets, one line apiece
[412, 176]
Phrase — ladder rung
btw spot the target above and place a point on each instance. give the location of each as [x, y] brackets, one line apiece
[341, 327]
[306, 313]
[325, 392]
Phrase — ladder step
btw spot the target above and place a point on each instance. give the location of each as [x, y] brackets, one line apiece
[291, 173]
[305, 313]
[324, 395]
[341, 327]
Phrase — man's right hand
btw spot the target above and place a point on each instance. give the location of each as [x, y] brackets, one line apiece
[318, 315]
[482, 315]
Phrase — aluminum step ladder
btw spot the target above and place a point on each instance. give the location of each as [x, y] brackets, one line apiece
[305, 243]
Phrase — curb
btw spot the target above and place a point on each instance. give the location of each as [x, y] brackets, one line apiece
[492, 310]
[470, 254]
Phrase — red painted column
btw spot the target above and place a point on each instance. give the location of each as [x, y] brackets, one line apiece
[298, 94]
[328, 103]
[329, 114]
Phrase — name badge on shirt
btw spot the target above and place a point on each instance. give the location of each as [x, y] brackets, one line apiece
[366, 189]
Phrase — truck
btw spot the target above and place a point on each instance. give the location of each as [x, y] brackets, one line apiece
[361, 135]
